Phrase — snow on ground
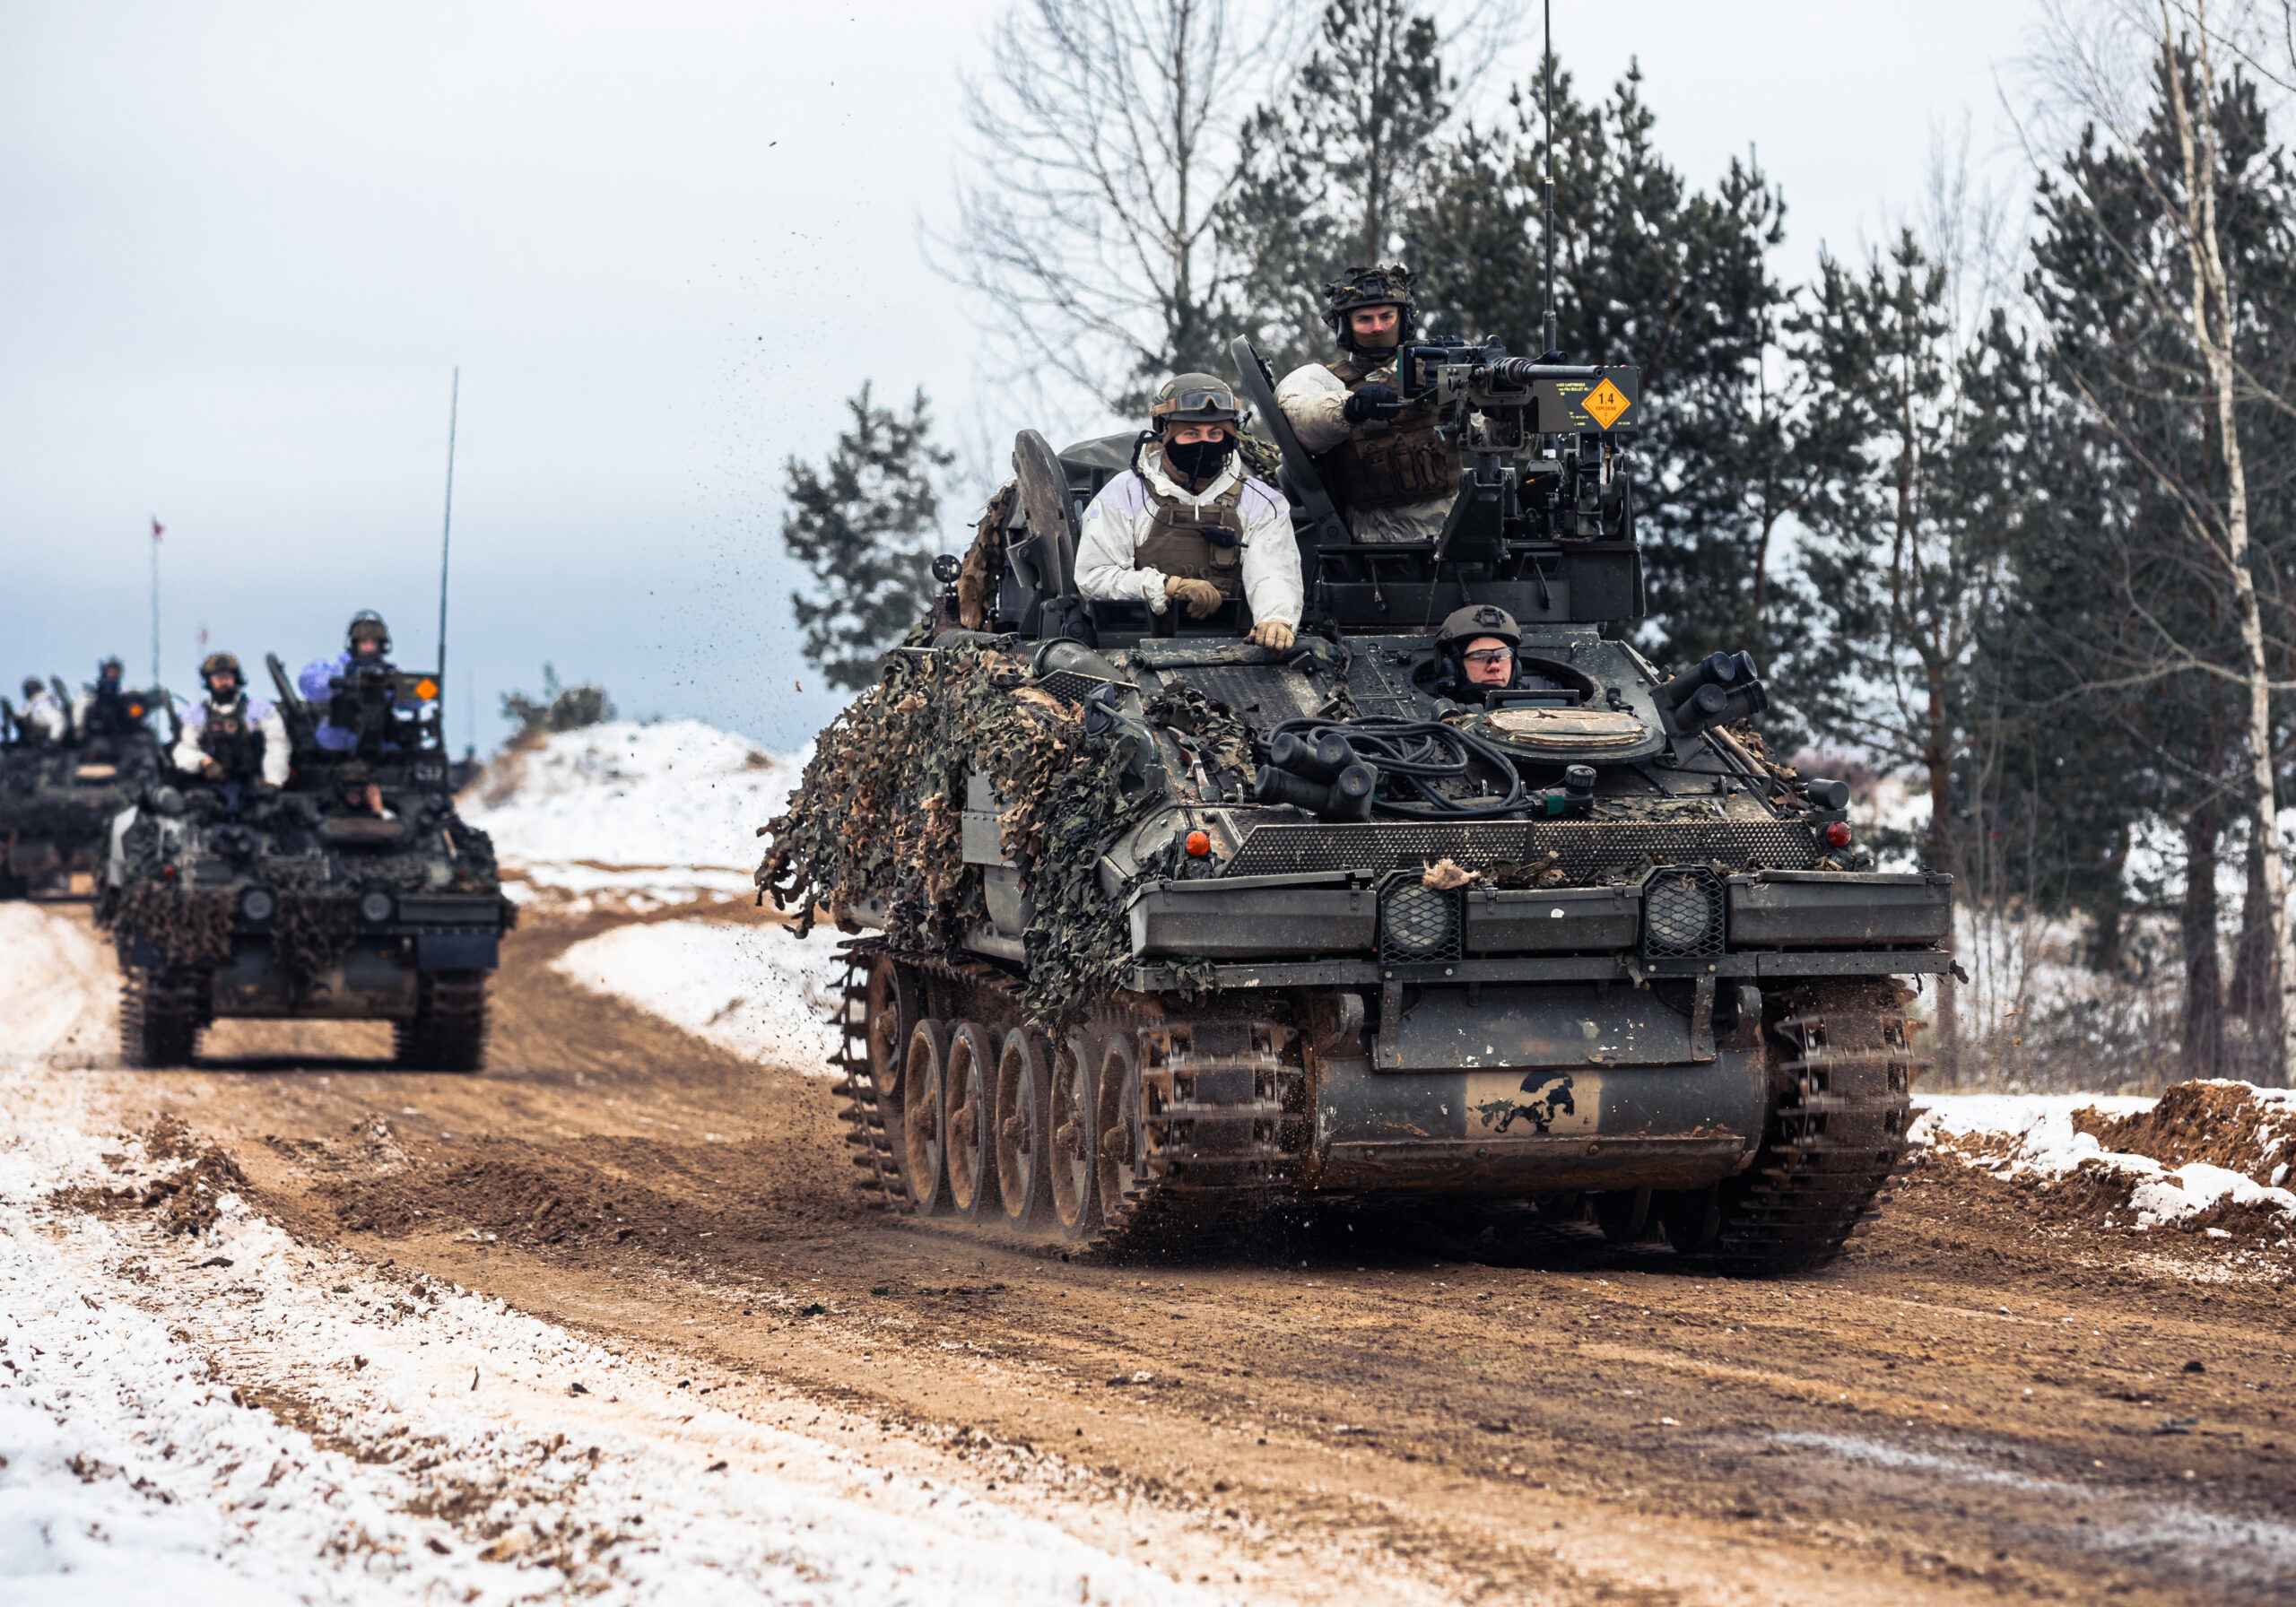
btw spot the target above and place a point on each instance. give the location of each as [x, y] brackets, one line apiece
[754, 990]
[635, 815]
[234, 1417]
[2014, 1136]
[56, 987]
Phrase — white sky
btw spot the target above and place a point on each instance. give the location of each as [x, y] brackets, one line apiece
[245, 244]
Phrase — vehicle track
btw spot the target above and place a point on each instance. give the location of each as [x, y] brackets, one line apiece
[1401, 1403]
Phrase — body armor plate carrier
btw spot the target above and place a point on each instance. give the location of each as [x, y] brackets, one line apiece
[231, 737]
[1198, 543]
[1395, 463]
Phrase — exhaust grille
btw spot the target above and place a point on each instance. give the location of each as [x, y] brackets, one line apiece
[1587, 851]
[1418, 924]
[1682, 914]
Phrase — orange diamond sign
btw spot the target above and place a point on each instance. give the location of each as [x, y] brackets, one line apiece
[427, 689]
[1605, 403]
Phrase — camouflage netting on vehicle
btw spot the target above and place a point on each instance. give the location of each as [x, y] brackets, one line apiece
[313, 931]
[879, 816]
[187, 928]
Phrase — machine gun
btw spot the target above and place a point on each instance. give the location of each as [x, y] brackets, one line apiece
[302, 730]
[381, 706]
[1542, 446]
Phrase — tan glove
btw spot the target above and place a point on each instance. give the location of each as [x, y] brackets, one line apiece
[1271, 633]
[1200, 595]
[211, 769]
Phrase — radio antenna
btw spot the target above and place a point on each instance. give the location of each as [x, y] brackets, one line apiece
[1548, 67]
[446, 529]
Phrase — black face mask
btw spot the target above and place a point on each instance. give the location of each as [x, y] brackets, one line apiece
[1197, 460]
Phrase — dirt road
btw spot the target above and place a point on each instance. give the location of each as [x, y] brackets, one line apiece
[1387, 1404]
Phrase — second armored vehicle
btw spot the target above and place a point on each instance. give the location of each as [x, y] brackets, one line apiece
[357, 893]
[59, 795]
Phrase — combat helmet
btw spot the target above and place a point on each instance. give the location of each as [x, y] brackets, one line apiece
[1387, 285]
[1463, 625]
[366, 623]
[215, 664]
[34, 686]
[1196, 399]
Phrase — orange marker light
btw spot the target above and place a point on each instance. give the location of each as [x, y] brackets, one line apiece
[1199, 843]
[426, 689]
[1838, 834]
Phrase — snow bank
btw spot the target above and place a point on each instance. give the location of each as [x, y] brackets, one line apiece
[630, 814]
[455, 1462]
[56, 988]
[753, 989]
[2053, 1136]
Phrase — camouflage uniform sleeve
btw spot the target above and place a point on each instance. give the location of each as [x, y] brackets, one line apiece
[1312, 397]
[1106, 545]
[1271, 556]
[273, 727]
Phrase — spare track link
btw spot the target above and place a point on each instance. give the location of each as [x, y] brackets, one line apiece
[1182, 1196]
[1839, 1131]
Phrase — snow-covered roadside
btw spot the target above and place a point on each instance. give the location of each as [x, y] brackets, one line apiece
[634, 816]
[456, 1458]
[2016, 1135]
[57, 985]
[753, 989]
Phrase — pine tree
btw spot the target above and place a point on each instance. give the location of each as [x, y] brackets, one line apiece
[862, 524]
[1326, 177]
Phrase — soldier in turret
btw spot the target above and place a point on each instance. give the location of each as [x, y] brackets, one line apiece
[230, 737]
[367, 644]
[102, 709]
[1393, 477]
[1186, 525]
[44, 718]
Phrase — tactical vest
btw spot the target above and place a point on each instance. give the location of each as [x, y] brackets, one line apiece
[1391, 463]
[107, 714]
[231, 737]
[1202, 542]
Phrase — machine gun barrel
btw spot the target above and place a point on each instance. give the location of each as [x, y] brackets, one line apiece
[1519, 372]
[292, 709]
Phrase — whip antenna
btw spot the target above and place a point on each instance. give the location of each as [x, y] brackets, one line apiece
[1547, 64]
[447, 530]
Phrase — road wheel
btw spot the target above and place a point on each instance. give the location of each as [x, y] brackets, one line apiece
[1691, 1218]
[892, 1013]
[449, 1031]
[1118, 1134]
[1623, 1214]
[1023, 1111]
[968, 1099]
[158, 1017]
[923, 1077]
[1075, 1202]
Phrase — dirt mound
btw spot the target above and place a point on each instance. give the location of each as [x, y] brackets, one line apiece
[2231, 1125]
[186, 1194]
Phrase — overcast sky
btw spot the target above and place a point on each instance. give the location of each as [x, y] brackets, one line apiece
[244, 246]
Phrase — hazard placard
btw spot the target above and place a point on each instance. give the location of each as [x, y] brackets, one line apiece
[1605, 403]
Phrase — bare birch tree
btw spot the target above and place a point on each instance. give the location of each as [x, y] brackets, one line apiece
[2093, 61]
[1103, 144]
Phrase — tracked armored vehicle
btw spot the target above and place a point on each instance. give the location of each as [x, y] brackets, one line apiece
[355, 893]
[1152, 926]
[57, 798]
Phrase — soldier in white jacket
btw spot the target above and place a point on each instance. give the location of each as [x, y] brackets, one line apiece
[1186, 525]
[1395, 477]
[43, 713]
[229, 736]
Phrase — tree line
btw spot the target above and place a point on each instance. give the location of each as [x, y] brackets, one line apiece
[2006, 513]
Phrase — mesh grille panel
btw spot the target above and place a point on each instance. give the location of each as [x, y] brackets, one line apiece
[1587, 850]
[1418, 924]
[1682, 914]
[1070, 686]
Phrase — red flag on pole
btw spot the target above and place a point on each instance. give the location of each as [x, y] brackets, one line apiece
[156, 529]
